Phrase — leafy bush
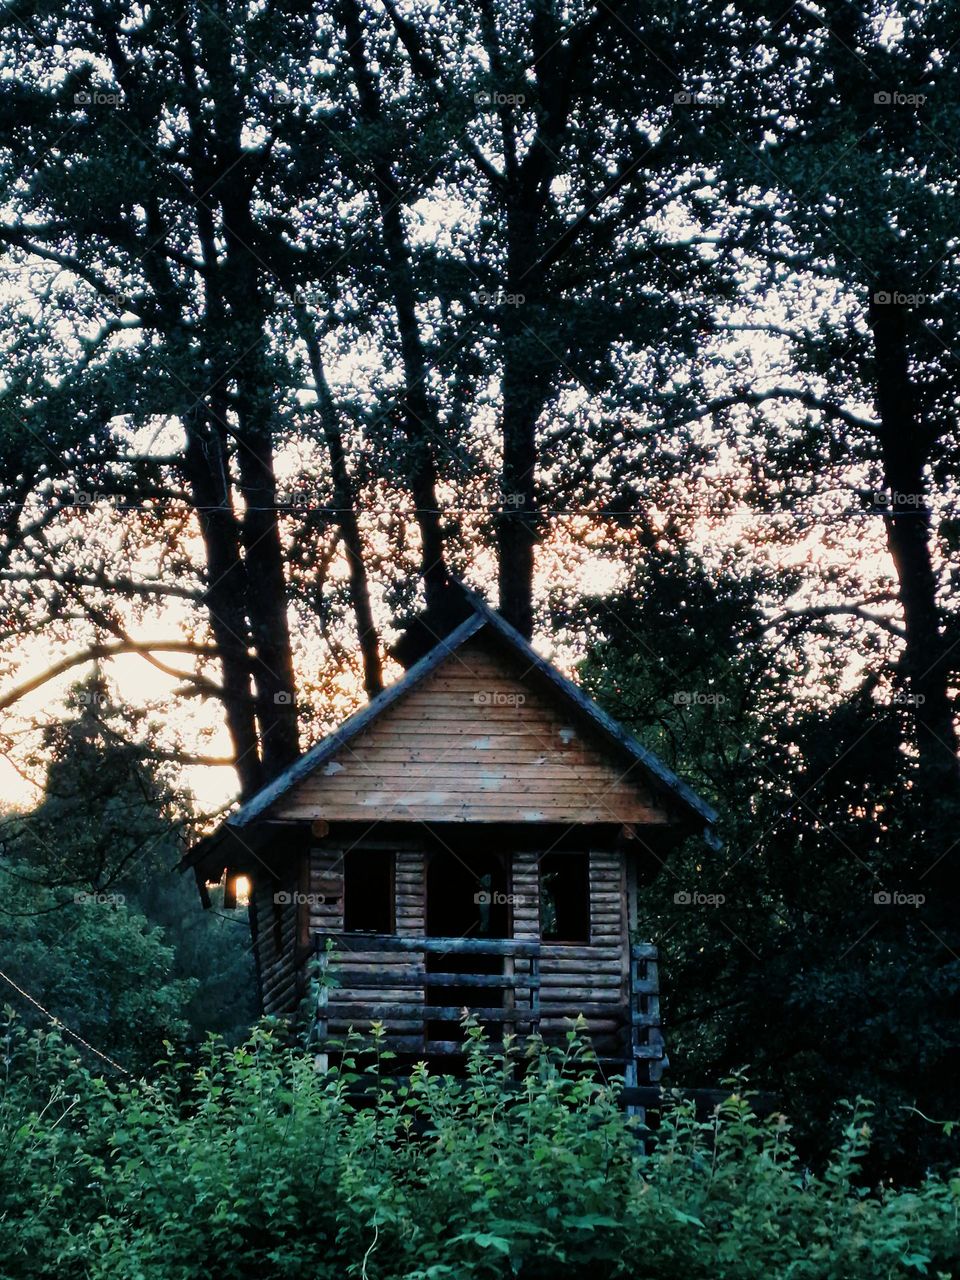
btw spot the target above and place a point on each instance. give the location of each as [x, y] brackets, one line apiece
[259, 1164]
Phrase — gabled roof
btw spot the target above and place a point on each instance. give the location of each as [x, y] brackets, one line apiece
[482, 618]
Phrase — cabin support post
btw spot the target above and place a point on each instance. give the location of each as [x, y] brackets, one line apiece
[319, 1030]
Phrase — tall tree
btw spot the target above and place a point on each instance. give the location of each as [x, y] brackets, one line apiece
[483, 241]
[852, 201]
[810, 943]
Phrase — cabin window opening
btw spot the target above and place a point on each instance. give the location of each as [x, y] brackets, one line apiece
[467, 895]
[565, 897]
[368, 881]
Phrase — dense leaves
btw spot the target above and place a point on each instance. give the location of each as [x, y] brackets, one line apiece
[97, 926]
[257, 1164]
[815, 941]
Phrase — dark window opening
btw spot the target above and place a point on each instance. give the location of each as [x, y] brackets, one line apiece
[467, 895]
[467, 900]
[565, 897]
[368, 891]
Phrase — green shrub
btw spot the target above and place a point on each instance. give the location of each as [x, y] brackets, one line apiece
[258, 1164]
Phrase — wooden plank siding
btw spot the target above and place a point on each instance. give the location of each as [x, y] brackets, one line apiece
[592, 978]
[589, 978]
[475, 742]
[366, 977]
[277, 925]
[387, 979]
[411, 892]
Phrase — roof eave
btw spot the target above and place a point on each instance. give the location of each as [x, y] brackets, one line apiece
[663, 777]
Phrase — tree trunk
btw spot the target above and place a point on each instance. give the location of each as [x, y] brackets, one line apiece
[344, 498]
[516, 526]
[266, 596]
[529, 361]
[249, 368]
[205, 467]
[905, 451]
[417, 411]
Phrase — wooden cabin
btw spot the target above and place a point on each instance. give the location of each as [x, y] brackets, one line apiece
[475, 837]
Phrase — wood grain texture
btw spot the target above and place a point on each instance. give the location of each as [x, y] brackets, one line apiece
[386, 978]
[276, 944]
[475, 742]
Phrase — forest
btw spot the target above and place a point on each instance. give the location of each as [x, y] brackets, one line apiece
[636, 318]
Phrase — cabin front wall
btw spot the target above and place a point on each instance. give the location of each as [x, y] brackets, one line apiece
[589, 978]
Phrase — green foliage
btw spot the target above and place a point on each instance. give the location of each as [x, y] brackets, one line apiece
[97, 924]
[789, 960]
[259, 1164]
[96, 964]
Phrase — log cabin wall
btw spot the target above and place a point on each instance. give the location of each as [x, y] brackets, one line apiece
[325, 901]
[276, 911]
[326, 885]
[365, 976]
[525, 887]
[410, 878]
[589, 977]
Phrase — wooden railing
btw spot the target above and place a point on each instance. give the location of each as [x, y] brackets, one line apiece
[401, 983]
[646, 1034]
[418, 989]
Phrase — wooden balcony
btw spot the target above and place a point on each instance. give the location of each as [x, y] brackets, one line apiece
[418, 988]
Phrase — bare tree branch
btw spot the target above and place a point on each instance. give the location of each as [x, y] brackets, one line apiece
[807, 398]
[95, 652]
[838, 610]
